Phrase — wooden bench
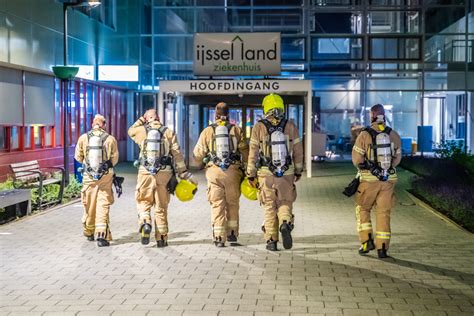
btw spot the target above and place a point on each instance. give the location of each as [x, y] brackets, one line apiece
[15, 197]
[29, 175]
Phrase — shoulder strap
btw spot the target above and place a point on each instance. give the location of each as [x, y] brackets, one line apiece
[282, 125]
[162, 129]
[270, 128]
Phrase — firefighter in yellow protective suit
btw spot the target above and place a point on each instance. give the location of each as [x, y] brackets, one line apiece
[97, 151]
[376, 153]
[222, 148]
[159, 150]
[276, 159]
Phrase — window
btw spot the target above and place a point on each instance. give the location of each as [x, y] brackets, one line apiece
[396, 48]
[3, 138]
[292, 48]
[48, 136]
[27, 139]
[337, 48]
[14, 138]
[38, 131]
[394, 22]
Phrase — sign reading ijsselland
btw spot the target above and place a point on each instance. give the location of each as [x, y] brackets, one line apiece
[237, 54]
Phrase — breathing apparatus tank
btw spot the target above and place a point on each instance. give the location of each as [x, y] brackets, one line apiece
[279, 152]
[153, 149]
[94, 156]
[383, 153]
[222, 145]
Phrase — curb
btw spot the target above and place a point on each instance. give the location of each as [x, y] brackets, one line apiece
[438, 214]
[40, 213]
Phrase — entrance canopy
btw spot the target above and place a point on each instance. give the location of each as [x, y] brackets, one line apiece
[241, 88]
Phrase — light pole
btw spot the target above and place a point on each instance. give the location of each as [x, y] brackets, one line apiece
[67, 73]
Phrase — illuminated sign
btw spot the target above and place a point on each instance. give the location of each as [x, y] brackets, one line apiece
[118, 73]
[86, 72]
[237, 54]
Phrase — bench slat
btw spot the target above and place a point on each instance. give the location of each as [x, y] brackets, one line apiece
[32, 168]
[28, 164]
[24, 164]
[26, 174]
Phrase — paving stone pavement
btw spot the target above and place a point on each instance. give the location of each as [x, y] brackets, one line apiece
[48, 268]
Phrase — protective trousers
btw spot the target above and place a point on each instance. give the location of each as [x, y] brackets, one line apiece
[152, 191]
[276, 196]
[381, 195]
[223, 193]
[97, 196]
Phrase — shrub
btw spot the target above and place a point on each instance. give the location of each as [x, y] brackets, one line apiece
[50, 192]
[454, 200]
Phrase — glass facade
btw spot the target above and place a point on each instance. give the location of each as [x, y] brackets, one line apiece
[400, 53]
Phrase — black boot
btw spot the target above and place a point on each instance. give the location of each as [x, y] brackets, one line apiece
[90, 238]
[232, 238]
[367, 246]
[272, 245]
[382, 253]
[101, 242]
[162, 242]
[219, 243]
[145, 231]
[285, 230]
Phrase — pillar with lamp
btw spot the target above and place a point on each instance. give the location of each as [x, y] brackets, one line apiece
[67, 73]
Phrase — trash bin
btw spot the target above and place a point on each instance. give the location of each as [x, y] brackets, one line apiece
[77, 174]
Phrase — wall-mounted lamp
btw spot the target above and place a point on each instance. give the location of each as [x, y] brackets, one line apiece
[66, 73]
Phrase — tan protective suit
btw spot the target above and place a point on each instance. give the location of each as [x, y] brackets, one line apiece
[152, 189]
[276, 194]
[97, 195]
[223, 187]
[373, 192]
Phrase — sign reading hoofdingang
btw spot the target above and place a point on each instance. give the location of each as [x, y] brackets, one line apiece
[237, 54]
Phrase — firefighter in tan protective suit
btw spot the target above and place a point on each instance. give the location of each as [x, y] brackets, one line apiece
[376, 153]
[276, 158]
[98, 153]
[159, 150]
[222, 148]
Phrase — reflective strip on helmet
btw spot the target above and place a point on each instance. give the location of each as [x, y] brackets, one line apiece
[232, 224]
[358, 150]
[364, 226]
[383, 235]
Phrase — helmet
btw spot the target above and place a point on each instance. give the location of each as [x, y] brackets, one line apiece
[185, 190]
[271, 102]
[248, 191]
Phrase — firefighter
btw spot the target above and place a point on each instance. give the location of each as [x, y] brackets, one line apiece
[224, 151]
[159, 151]
[275, 163]
[376, 153]
[97, 151]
